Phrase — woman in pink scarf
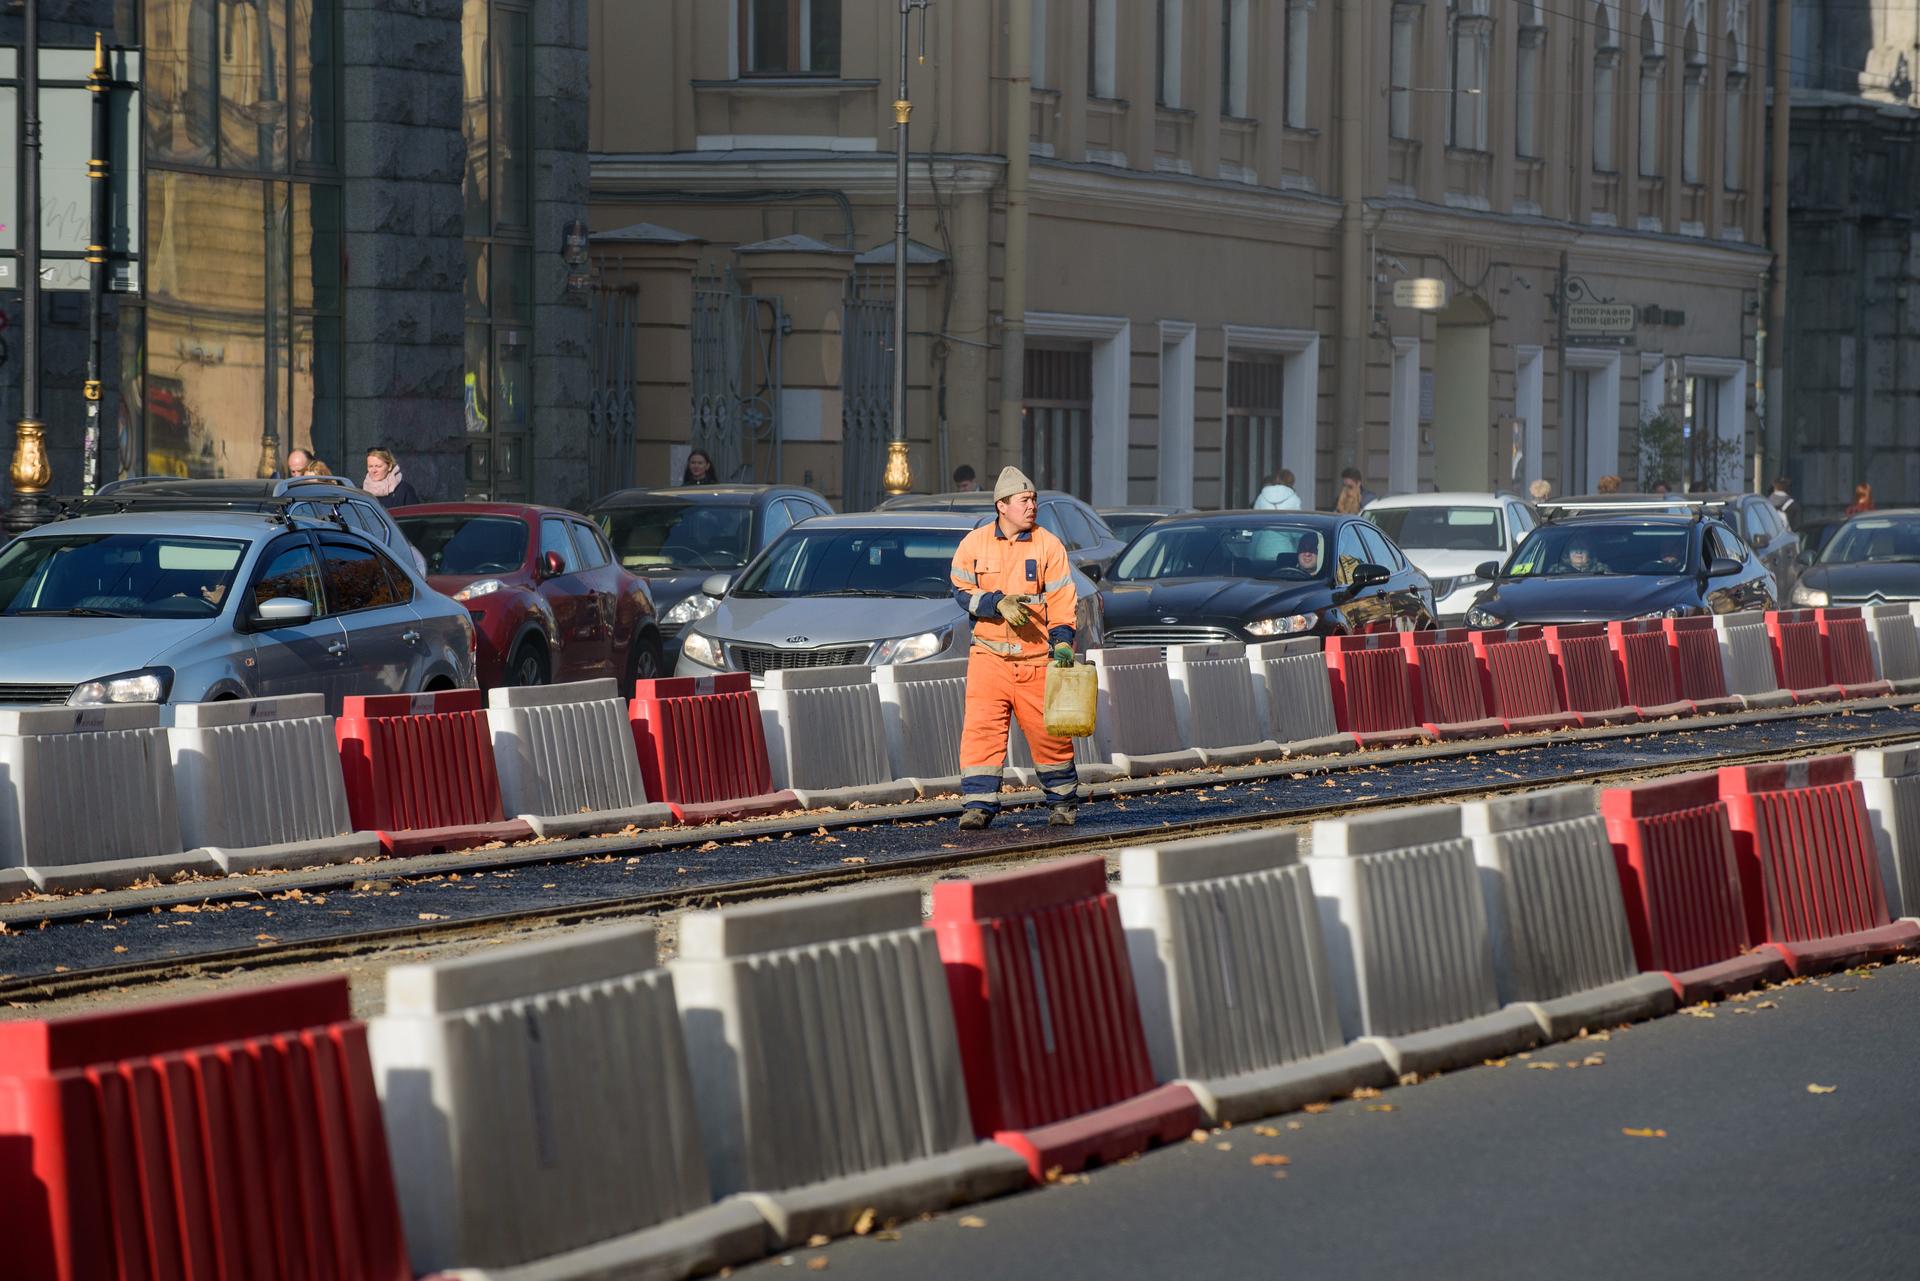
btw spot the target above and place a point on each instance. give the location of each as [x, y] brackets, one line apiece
[384, 481]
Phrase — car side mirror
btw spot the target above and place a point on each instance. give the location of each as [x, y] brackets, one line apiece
[1723, 567]
[1487, 571]
[1370, 575]
[716, 585]
[551, 566]
[282, 611]
[1760, 540]
[1093, 572]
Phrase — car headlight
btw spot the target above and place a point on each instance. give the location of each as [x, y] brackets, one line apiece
[691, 610]
[911, 649]
[703, 650]
[148, 685]
[1811, 597]
[485, 587]
[1671, 611]
[1483, 619]
[1286, 625]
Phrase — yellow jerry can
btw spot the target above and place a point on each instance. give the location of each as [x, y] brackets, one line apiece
[1071, 692]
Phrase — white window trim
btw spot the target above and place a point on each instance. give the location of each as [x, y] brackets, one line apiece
[1112, 340]
[1603, 408]
[1177, 347]
[1403, 415]
[1653, 384]
[1529, 405]
[1732, 376]
[1299, 450]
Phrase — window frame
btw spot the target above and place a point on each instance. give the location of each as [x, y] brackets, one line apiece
[380, 558]
[799, 43]
[243, 616]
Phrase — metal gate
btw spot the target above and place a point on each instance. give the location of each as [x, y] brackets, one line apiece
[1056, 445]
[866, 389]
[611, 413]
[1255, 401]
[736, 375]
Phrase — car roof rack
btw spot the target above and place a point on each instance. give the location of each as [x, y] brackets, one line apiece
[1552, 510]
[277, 508]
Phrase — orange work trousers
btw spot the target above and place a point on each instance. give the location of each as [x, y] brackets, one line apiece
[1000, 690]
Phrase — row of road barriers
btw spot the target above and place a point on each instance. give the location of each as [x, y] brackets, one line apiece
[577, 1108]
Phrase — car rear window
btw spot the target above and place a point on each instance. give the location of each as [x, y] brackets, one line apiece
[1454, 529]
[464, 545]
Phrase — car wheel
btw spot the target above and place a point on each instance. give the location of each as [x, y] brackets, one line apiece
[528, 666]
[644, 661]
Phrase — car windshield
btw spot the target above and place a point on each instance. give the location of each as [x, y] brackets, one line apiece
[118, 575]
[1441, 529]
[855, 562]
[1126, 524]
[1580, 549]
[1226, 549]
[463, 544]
[1877, 538]
[680, 535]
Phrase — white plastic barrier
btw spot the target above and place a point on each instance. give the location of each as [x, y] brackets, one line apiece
[87, 797]
[923, 706]
[539, 1111]
[1224, 941]
[825, 1064]
[1406, 936]
[1554, 913]
[1210, 685]
[1890, 780]
[1746, 656]
[1293, 696]
[824, 728]
[259, 784]
[564, 750]
[1896, 645]
[1136, 726]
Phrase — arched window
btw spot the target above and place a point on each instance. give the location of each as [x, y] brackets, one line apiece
[1526, 99]
[1690, 106]
[1606, 72]
[1653, 64]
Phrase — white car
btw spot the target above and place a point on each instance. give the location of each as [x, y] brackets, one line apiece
[1447, 535]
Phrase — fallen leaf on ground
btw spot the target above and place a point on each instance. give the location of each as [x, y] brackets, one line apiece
[972, 1221]
[1698, 1013]
[1821, 1089]
[817, 1264]
[1223, 1147]
[888, 1235]
[1199, 1136]
[1594, 1060]
[1542, 1067]
[853, 858]
[1632, 1133]
[1379, 1107]
[818, 1239]
[1266, 1131]
[1366, 1092]
[1271, 1158]
[869, 1217]
[1493, 1062]
[1315, 1109]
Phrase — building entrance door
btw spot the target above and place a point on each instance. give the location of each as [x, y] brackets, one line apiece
[1462, 404]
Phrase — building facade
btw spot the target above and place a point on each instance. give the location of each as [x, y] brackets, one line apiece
[1159, 247]
[347, 233]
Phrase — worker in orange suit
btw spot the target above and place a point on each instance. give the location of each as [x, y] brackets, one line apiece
[1016, 584]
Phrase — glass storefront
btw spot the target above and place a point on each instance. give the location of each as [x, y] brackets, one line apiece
[242, 346]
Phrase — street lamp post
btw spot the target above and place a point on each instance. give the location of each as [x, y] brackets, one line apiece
[97, 172]
[898, 478]
[30, 472]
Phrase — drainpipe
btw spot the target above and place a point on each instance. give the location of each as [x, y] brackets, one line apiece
[1776, 386]
[1355, 271]
[1013, 326]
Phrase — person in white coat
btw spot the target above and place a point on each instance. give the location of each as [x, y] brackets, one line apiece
[1278, 494]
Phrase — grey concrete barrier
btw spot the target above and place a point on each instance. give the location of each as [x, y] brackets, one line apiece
[539, 1115]
[1210, 686]
[1746, 656]
[1136, 714]
[826, 1070]
[1561, 946]
[1406, 938]
[1896, 645]
[824, 728]
[566, 750]
[259, 785]
[1295, 701]
[1224, 941]
[923, 707]
[1889, 780]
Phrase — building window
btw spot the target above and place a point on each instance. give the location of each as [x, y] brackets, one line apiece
[1256, 407]
[1690, 106]
[1736, 109]
[1234, 18]
[1299, 58]
[1653, 66]
[1606, 71]
[1103, 49]
[241, 359]
[1470, 32]
[1056, 448]
[1037, 45]
[497, 57]
[1406, 37]
[1168, 29]
[1526, 99]
[790, 37]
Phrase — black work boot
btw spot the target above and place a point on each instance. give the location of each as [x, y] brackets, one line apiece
[1061, 816]
[974, 820]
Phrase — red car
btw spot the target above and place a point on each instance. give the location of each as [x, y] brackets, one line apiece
[550, 601]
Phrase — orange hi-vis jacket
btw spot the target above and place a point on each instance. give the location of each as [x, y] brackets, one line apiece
[1031, 567]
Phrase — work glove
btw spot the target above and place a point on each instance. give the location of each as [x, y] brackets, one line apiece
[1063, 655]
[1013, 611]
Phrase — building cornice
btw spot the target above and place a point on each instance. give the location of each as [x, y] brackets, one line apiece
[855, 173]
[1133, 191]
[1622, 249]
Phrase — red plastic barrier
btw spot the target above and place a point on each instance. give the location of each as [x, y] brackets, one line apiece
[1673, 848]
[1643, 661]
[1848, 651]
[1448, 699]
[1809, 871]
[1799, 661]
[1697, 664]
[1050, 1036]
[1516, 673]
[1372, 688]
[419, 771]
[702, 748]
[1583, 668]
[201, 1140]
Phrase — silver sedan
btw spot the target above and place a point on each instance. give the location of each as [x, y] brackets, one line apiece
[181, 607]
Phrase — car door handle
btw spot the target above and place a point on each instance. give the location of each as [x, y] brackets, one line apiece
[338, 647]
[410, 637]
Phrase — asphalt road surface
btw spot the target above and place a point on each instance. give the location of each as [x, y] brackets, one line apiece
[1516, 1171]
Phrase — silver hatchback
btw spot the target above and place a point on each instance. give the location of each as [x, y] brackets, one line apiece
[164, 606]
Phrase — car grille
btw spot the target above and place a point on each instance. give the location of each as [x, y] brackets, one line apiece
[1872, 598]
[760, 659]
[35, 695]
[1164, 636]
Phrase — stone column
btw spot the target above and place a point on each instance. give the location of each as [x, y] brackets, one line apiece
[561, 340]
[810, 279]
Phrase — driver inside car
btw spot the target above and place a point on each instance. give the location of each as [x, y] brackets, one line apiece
[1579, 559]
[1308, 558]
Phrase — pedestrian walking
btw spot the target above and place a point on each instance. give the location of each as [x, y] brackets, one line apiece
[1782, 500]
[1862, 499]
[1278, 494]
[384, 481]
[1015, 583]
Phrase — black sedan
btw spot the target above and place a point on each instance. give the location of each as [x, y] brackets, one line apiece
[1590, 569]
[1872, 559]
[1260, 575]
